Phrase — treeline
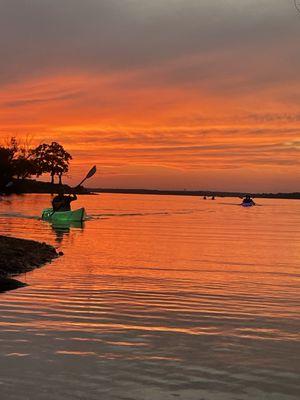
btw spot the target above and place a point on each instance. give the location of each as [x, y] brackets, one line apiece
[19, 162]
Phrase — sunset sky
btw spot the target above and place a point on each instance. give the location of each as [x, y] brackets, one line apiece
[196, 94]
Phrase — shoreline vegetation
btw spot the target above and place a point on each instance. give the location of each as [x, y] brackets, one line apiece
[19, 163]
[18, 256]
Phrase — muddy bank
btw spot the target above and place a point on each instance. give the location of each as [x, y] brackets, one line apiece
[18, 256]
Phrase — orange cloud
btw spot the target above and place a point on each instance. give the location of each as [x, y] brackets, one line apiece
[213, 105]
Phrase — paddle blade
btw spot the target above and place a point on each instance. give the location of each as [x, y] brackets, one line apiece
[89, 175]
[91, 172]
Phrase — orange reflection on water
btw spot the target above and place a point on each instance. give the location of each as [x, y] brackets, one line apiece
[186, 284]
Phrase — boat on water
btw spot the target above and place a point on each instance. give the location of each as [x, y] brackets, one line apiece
[247, 201]
[63, 216]
[250, 204]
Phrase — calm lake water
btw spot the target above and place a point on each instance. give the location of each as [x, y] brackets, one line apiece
[156, 297]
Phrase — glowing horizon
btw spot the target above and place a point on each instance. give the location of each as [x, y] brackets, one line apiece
[176, 95]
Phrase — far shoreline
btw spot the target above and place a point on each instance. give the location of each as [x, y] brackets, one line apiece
[197, 193]
[32, 186]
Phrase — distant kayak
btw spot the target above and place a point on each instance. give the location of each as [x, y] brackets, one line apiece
[251, 204]
[63, 216]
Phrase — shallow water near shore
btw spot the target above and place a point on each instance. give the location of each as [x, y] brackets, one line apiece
[156, 297]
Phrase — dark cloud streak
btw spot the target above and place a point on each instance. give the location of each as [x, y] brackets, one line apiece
[39, 37]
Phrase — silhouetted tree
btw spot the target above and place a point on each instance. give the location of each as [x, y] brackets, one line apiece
[6, 173]
[24, 167]
[15, 162]
[18, 162]
[51, 158]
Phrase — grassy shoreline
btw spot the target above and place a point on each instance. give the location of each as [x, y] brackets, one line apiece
[18, 256]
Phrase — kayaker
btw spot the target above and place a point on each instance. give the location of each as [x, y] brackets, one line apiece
[62, 202]
[248, 200]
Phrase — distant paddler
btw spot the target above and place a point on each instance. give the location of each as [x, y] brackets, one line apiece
[247, 201]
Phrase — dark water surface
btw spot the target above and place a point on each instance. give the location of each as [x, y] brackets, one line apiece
[156, 297]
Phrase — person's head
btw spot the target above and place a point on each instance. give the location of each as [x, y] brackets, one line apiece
[61, 191]
[247, 196]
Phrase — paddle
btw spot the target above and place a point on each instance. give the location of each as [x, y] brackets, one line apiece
[89, 175]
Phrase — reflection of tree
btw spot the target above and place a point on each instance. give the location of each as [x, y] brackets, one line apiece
[297, 5]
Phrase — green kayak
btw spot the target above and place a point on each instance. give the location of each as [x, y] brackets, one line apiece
[63, 216]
